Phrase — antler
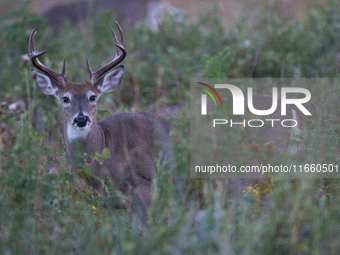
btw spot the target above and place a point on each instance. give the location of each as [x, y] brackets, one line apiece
[34, 54]
[119, 57]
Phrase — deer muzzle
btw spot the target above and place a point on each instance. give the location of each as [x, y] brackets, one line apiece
[81, 121]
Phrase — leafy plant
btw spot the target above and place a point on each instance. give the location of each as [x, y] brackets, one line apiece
[45, 204]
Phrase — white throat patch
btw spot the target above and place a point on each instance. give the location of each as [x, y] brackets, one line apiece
[75, 132]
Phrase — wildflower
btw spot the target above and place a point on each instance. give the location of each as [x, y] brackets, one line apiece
[94, 209]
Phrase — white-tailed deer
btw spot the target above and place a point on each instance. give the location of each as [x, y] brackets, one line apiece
[136, 140]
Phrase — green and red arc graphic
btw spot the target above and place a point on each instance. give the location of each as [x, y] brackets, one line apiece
[208, 92]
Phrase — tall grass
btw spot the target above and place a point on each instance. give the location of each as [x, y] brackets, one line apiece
[46, 207]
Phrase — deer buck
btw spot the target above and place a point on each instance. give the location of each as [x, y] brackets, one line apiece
[136, 140]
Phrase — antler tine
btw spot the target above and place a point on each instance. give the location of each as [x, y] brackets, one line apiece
[115, 41]
[88, 67]
[120, 33]
[119, 56]
[34, 54]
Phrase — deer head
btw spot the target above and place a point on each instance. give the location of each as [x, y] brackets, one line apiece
[78, 100]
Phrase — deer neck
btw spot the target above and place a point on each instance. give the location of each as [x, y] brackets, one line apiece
[91, 140]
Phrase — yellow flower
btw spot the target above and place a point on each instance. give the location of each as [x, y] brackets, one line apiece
[94, 209]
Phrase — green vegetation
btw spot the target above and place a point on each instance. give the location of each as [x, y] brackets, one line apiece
[46, 207]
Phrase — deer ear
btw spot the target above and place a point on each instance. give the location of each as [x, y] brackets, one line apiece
[44, 83]
[110, 81]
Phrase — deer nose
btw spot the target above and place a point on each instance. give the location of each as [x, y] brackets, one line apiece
[81, 120]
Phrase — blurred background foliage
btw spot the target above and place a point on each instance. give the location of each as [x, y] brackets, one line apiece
[45, 207]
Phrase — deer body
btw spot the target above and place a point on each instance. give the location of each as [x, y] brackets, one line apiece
[136, 141]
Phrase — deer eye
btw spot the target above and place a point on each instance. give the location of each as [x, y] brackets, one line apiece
[66, 99]
[92, 98]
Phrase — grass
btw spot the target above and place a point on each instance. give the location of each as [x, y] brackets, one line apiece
[46, 207]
